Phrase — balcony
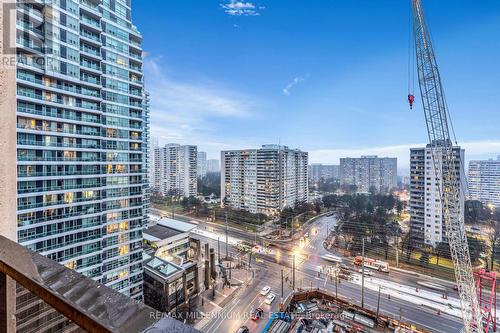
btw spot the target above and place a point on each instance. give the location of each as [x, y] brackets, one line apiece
[66, 300]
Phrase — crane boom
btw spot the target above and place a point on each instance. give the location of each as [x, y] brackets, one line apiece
[446, 168]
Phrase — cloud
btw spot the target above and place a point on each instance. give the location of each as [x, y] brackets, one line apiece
[191, 112]
[473, 150]
[293, 83]
[241, 8]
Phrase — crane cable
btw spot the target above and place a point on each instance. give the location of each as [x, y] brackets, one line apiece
[411, 69]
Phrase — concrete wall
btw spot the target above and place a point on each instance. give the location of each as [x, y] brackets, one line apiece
[8, 186]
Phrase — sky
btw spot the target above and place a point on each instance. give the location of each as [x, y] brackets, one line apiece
[326, 76]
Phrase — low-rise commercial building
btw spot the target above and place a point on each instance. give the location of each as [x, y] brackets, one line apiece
[170, 266]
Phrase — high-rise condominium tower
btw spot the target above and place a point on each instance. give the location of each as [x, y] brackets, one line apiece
[175, 170]
[82, 131]
[484, 181]
[213, 165]
[426, 209]
[264, 180]
[202, 164]
[369, 173]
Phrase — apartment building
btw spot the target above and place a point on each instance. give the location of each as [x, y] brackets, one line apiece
[202, 164]
[213, 165]
[369, 173]
[175, 170]
[484, 181]
[319, 171]
[426, 216]
[82, 124]
[264, 180]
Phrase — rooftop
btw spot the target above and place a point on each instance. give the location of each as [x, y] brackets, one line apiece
[162, 267]
[166, 228]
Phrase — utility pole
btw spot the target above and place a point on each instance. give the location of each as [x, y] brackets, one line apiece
[227, 253]
[293, 273]
[282, 283]
[218, 249]
[336, 285]
[378, 301]
[397, 251]
[363, 276]
[173, 208]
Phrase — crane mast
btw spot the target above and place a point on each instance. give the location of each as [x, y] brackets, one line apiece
[447, 170]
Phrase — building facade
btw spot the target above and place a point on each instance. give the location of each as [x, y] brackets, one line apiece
[170, 266]
[369, 173]
[426, 210]
[484, 181]
[175, 170]
[321, 171]
[202, 164]
[213, 165]
[82, 131]
[264, 180]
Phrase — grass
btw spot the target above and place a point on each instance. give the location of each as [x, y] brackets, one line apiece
[443, 262]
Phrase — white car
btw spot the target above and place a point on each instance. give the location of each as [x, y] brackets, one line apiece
[264, 291]
[367, 272]
[270, 298]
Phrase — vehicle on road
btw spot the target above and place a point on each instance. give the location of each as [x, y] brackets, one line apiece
[378, 265]
[270, 298]
[332, 258]
[256, 314]
[264, 291]
[345, 267]
[367, 272]
[243, 329]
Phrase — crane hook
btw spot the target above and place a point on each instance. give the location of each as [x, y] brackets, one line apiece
[411, 99]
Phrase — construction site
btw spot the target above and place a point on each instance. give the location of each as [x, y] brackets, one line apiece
[318, 311]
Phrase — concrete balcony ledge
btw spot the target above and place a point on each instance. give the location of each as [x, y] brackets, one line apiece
[90, 305]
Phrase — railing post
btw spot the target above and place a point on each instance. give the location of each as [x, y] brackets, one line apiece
[7, 304]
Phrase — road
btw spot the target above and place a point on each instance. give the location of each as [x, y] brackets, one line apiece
[267, 271]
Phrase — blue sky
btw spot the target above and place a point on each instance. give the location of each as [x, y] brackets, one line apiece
[326, 76]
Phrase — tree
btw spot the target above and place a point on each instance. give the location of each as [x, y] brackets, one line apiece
[476, 247]
[494, 238]
[188, 202]
[408, 245]
[442, 250]
[424, 258]
[399, 207]
[210, 184]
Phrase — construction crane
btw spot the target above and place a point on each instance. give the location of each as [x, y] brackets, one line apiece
[446, 168]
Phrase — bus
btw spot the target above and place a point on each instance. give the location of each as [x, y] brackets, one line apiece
[378, 265]
[329, 257]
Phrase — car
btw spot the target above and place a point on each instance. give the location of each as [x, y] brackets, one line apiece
[264, 291]
[344, 266]
[367, 272]
[256, 314]
[243, 329]
[270, 298]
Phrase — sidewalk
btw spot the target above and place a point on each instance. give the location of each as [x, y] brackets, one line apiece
[420, 275]
[209, 306]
